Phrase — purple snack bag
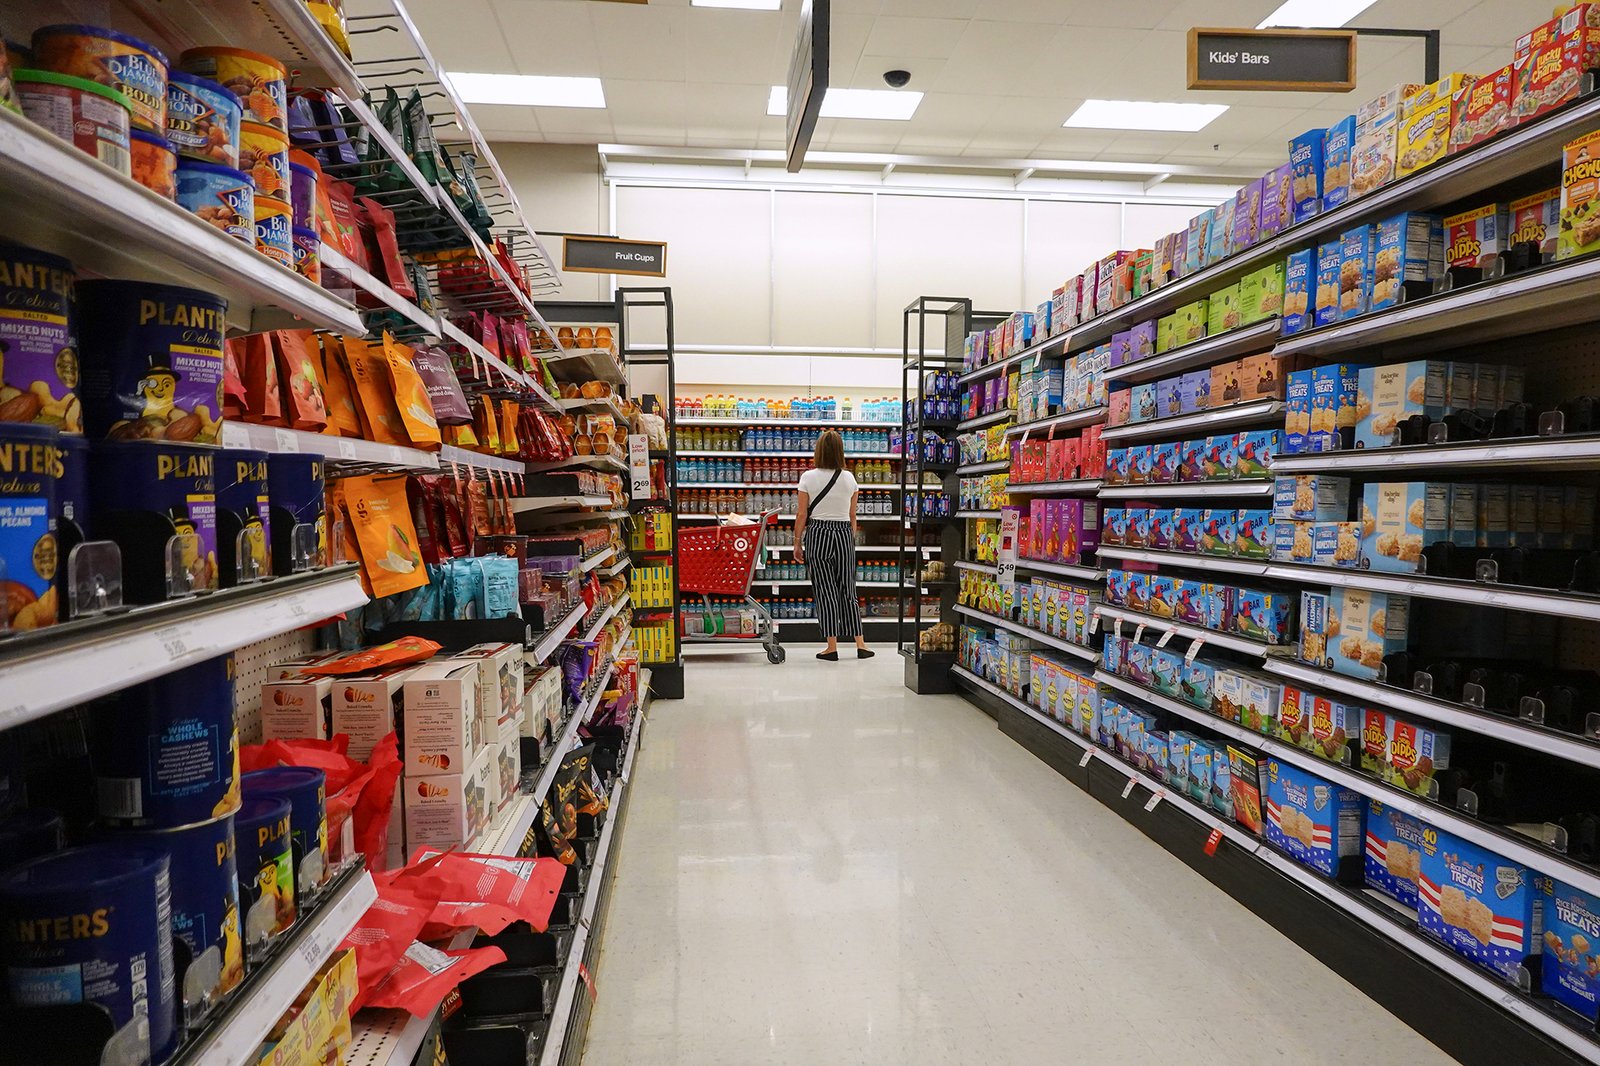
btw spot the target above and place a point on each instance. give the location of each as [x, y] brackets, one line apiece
[439, 378]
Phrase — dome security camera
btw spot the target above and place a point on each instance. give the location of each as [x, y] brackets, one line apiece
[897, 79]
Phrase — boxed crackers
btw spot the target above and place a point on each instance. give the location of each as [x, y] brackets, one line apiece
[1570, 971]
[1480, 904]
[1361, 628]
[1306, 174]
[1482, 108]
[1338, 146]
[1427, 116]
[1393, 853]
[1580, 197]
[1536, 220]
[1314, 822]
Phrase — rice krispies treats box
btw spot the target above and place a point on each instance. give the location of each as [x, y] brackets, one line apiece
[1356, 253]
[1305, 182]
[1570, 971]
[1393, 853]
[1314, 822]
[1325, 299]
[1480, 904]
[1338, 145]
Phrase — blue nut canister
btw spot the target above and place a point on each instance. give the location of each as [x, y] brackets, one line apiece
[205, 909]
[305, 788]
[166, 752]
[147, 493]
[30, 556]
[94, 925]
[220, 196]
[244, 521]
[297, 491]
[266, 870]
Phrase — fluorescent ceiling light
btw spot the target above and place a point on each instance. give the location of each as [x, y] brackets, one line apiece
[532, 90]
[743, 5]
[1321, 14]
[1141, 115]
[854, 103]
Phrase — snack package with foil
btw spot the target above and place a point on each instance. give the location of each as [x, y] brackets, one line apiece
[411, 396]
[424, 976]
[375, 400]
[384, 533]
[300, 375]
[344, 420]
[449, 403]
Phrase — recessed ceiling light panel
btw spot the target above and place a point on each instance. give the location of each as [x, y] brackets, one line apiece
[891, 104]
[1317, 14]
[1143, 115]
[743, 5]
[528, 90]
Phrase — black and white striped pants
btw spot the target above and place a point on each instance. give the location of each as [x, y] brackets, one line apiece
[831, 562]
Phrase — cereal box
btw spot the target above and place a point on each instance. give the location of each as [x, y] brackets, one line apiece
[1247, 216]
[1409, 248]
[1297, 413]
[1571, 969]
[1261, 294]
[1194, 391]
[1552, 73]
[1252, 537]
[1475, 239]
[1291, 541]
[1222, 310]
[1481, 905]
[1254, 451]
[1387, 395]
[1336, 544]
[1225, 384]
[1363, 627]
[1399, 519]
[1415, 754]
[1482, 109]
[1426, 118]
[1316, 823]
[1355, 271]
[1245, 772]
[1306, 173]
[1535, 220]
[1263, 616]
[1337, 147]
[1393, 853]
[1580, 197]
[1325, 301]
[1277, 204]
[1297, 285]
[1376, 144]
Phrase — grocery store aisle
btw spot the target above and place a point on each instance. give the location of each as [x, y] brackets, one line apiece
[821, 867]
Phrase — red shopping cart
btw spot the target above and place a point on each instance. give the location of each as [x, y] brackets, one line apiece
[721, 561]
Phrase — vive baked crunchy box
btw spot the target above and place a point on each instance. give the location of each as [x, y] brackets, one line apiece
[1393, 852]
[1570, 970]
[1481, 905]
[1580, 197]
[1314, 822]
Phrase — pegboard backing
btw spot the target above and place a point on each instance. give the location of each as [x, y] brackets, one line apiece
[1560, 362]
[250, 665]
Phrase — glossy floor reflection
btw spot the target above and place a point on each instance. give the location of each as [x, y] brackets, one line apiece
[821, 867]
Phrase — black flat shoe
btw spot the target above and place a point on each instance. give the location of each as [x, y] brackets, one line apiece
[864, 653]
[828, 656]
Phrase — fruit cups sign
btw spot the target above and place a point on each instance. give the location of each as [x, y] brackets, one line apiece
[613, 255]
[1306, 61]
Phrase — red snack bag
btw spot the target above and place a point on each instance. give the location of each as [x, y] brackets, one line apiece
[486, 892]
[233, 391]
[301, 376]
[395, 653]
[374, 805]
[344, 218]
[259, 366]
[382, 935]
[418, 983]
[387, 245]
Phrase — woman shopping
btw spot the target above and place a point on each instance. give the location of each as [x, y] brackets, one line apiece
[825, 540]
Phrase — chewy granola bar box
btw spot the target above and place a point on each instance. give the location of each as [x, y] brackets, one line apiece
[1393, 855]
[1481, 905]
[1314, 822]
[1580, 197]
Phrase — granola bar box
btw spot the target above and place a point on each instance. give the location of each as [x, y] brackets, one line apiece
[1580, 197]
[1536, 220]
[1393, 852]
[1571, 968]
[1551, 74]
[1426, 118]
[1313, 821]
[1337, 146]
[1305, 181]
[1362, 628]
[1481, 905]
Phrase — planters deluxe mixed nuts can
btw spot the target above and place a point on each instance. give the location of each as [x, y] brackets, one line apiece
[147, 493]
[38, 342]
[30, 554]
[266, 870]
[152, 361]
[94, 925]
[205, 909]
[166, 752]
[306, 790]
[297, 492]
[244, 521]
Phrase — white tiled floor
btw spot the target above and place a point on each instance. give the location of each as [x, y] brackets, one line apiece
[821, 867]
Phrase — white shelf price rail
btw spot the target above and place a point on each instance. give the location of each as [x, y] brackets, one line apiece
[1059, 643]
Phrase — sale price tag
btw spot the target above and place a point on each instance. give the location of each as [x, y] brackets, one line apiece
[638, 466]
[1006, 570]
[1212, 841]
[1194, 649]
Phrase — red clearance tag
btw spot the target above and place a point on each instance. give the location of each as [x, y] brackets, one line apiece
[1212, 841]
[588, 982]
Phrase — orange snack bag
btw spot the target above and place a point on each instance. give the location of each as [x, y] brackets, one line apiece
[343, 418]
[411, 396]
[374, 396]
[508, 427]
[460, 437]
[400, 652]
[488, 431]
[380, 514]
[301, 379]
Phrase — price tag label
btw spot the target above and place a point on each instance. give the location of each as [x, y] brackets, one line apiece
[297, 609]
[1094, 623]
[1154, 801]
[1088, 757]
[1171, 632]
[347, 449]
[397, 455]
[1006, 564]
[1194, 650]
[638, 466]
[1139, 632]
[1116, 630]
[1128, 788]
[284, 440]
[173, 642]
[315, 950]
[1212, 841]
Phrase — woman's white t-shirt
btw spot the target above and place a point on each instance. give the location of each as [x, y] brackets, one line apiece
[835, 507]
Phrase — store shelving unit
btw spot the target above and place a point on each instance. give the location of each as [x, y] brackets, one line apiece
[1238, 416]
[1198, 490]
[1059, 423]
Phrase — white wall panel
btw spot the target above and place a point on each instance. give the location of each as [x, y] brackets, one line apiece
[822, 270]
[1064, 237]
[718, 258]
[946, 246]
[1147, 223]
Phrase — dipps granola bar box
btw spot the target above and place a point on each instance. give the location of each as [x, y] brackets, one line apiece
[1481, 905]
[1536, 220]
[1392, 859]
[1475, 239]
[1313, 821]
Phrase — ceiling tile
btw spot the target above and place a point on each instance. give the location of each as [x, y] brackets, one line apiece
[936, 38]
[748, 47]
[1007, 46]
[497, 120]
[639, 41]
[461, 22]
[577, 121]
[653, 103]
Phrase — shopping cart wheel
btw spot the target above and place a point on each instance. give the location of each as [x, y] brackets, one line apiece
[776, 654]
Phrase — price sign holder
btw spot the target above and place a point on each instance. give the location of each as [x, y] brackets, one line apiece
[638, 466]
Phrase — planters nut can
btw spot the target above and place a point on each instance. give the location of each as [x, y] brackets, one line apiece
[30, 555]
[94, 925]
[145, 495]
[296, 489]
[306, 790]
[244, 521]
[205, 909]
[166, 753]
[38, 344]
[152, 361]
[266, 870]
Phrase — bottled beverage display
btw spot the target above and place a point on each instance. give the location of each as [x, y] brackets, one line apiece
[816, 408]
[786, 471]
[875, 503]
